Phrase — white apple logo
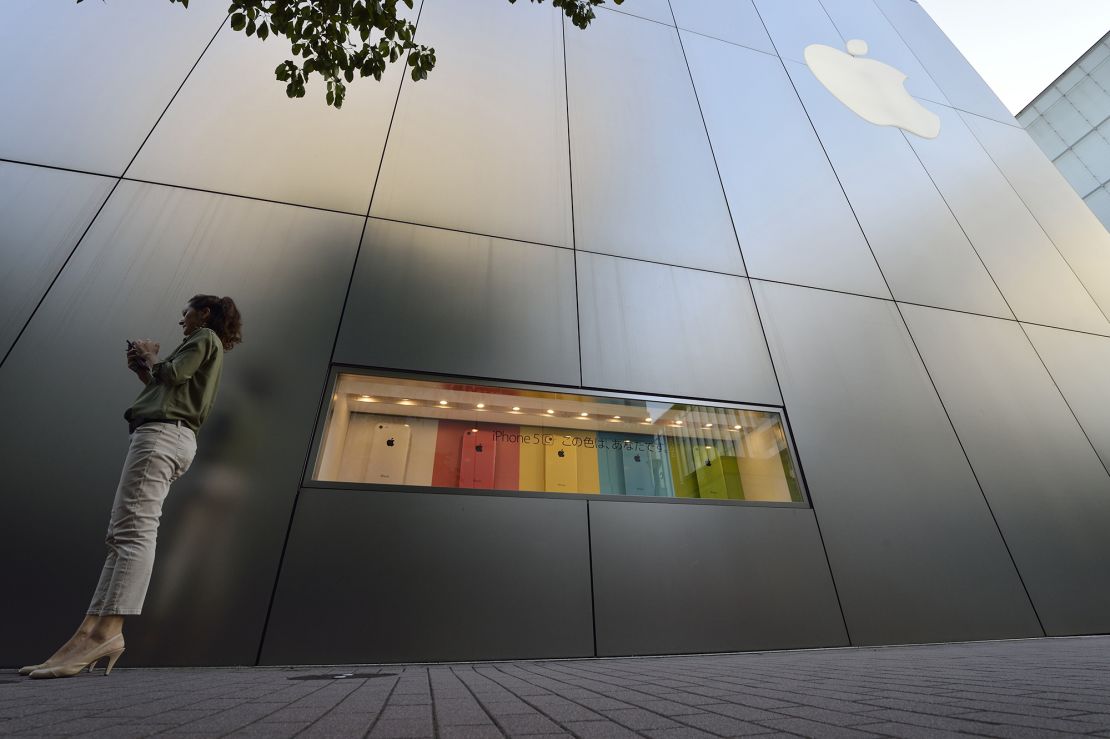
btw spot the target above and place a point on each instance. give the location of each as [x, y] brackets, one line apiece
[871, 89]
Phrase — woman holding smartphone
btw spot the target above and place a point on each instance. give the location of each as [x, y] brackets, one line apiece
[177, 397]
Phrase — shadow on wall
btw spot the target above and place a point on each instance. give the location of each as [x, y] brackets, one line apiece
[63, 390]
[202, 551]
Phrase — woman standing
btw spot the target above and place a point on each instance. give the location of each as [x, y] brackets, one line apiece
[164, 420]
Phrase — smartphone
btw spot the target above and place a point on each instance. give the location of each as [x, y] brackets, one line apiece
[639, 478]
[141, 363]
[560, 466]
[477, 462]
[710, 474]
[389, 453]
[610, 462]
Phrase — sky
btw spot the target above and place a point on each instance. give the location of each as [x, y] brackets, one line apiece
[1021, 46]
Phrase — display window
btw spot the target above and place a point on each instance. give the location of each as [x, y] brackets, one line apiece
[406, 432]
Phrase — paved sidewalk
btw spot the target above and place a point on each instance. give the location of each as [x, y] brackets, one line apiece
[1032, 688]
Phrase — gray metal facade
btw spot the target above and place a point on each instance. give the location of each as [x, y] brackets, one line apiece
[1070, 121]
[666, 203]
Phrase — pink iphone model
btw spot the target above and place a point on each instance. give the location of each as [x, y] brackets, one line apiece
[478, 460]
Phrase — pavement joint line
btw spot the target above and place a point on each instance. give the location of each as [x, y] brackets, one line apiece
[469, 689]
[432, 707]
[494, 719]
[655, 713]
[562, 724]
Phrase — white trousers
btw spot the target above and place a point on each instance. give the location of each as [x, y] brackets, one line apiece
[159, 454]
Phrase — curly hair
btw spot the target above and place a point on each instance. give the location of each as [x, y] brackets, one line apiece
[224, 318]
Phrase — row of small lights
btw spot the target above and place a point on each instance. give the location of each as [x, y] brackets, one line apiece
[550, 411]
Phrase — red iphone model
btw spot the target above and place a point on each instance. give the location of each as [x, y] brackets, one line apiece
[477, 461]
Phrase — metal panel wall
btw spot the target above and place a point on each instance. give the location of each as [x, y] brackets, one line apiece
[735, 21]
[1073, 228]
[481, 145]
[657, 329]
[1077, 363]
[914, 552]
[409, 576]
[1037, 283]
[796, 24]
[99, 75]
[959, 81]
[714, 578]
[861, 19]
[43, 213]
[443, 301]
[654, 10]
[151, 249]
[232, 129]
[924, 254]
[1046, 485]
[793, 221]
[645, 184]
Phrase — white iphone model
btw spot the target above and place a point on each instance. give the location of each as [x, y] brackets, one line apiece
[389, 453]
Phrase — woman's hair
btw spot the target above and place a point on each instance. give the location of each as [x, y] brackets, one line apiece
[224, 318]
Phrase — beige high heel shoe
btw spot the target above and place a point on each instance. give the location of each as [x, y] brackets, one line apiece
[112, 649]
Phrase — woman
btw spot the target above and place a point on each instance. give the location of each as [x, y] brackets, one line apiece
[164, 420]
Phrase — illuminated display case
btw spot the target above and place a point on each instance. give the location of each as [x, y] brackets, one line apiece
[405, 432]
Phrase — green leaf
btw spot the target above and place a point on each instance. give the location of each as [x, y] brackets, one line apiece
[337, 39]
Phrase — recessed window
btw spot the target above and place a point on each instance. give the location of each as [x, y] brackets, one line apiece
[404, 432]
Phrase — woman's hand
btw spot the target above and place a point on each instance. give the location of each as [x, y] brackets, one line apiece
[141, 356]
[146, 351]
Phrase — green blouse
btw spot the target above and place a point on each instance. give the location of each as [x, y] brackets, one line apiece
[183, 385]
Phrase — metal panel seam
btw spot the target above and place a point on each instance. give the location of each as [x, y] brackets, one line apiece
[971, 467]
[751, 290]
[920, 359]
[1037, 220]
[926, 67]
[327, 373]
[573, 240]
[118, 179]
[1064, 397]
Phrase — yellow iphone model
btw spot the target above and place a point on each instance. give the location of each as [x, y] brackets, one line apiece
[560, 465]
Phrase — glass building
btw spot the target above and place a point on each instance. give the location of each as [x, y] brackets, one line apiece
[648, 338]
[1070, 121]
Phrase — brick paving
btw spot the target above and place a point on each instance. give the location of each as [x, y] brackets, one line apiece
[1027, 688]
